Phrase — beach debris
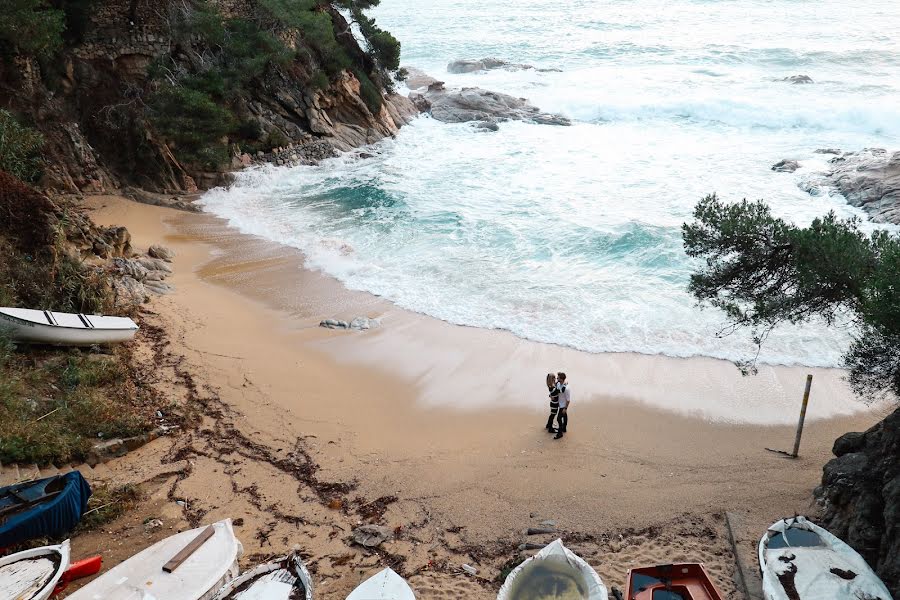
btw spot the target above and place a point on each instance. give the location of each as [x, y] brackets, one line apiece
[786, 166]
[152, 524]
[357, 324]
[161, 252]
[371, 536]
[470, 570]
[539, 531]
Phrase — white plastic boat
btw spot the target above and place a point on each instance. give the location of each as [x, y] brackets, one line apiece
[384, 585]
[554, 572]
[203, 573]
[64, 329]
[801, 561]
[284, 579]
[32, 574]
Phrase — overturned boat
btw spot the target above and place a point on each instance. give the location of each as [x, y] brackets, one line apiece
[191, 565]
[33, 574]
[384, 585]
[682, 581]
[553, 573]
[802, 561]
[45, 508]
[64, 329]
[283, 579]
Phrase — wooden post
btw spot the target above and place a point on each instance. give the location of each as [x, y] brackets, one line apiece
[802, 416]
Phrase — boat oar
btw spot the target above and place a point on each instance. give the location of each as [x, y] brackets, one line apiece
[77, 570]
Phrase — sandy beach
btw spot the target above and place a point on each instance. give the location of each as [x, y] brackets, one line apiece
[436, 431]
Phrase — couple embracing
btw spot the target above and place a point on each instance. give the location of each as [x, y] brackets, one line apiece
[560, 398]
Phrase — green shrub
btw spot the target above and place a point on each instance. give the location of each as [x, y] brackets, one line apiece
[193, 122]
[369, 92]
[31, 27]
[20, 148]
[319, 81]
[384, 47]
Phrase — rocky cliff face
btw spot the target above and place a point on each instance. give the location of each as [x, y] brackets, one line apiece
[860, 496]
[869, 179]
[88, 103]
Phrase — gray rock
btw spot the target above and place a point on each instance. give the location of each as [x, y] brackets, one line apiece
[154, 264]
[849, 442]
[485, 64]
[362, 323]
[161, 252]
[130, 268]
[417, 79]
[158, 287]
[371, 536]
[798, 79]
[786, 166]
[128, 292]
[475, 104]
[827, 151]
[334, 324]
[869, 179]
[860, 496]
[486, 126]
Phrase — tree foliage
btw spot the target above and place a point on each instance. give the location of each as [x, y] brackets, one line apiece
[30, 27]
[20, 148]
[762, 271]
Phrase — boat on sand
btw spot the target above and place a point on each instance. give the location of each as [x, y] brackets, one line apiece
[44, 508]
[64, 329]
[32, 574]
[554, 573]
[191, 565]
[384, 585]
[801, 561]
[282, 579]
[681, 581]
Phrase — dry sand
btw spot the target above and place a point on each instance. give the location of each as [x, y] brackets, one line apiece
[437, 431]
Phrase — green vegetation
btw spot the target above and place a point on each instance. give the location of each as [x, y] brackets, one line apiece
[762, 271]
[20, 148]
[107, 503]
[54, 405]
[30, 27]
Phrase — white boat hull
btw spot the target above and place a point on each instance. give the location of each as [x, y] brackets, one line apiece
[64, 329]
[199, 577]
[385, 585]
[270, 581]
[559, 562]
[32, 574]
[830, 570]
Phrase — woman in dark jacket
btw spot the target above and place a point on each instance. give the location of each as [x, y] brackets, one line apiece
[553, 391]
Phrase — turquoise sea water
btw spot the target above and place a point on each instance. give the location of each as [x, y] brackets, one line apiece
[571, 235]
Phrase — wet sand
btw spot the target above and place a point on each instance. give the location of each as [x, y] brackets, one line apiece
[449, 420]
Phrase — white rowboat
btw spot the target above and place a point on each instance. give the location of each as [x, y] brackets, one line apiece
[32, 574]
[801, 561]
[198, 577]
[284, 579]
[384, 585]
[554, 572]
[64, 329]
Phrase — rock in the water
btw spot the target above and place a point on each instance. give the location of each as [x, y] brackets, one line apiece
[827, 151]
[362, 323]
[869, 179]
[786, 166]
[860, 496]
[417, 79]
[798, 79]
[483, 126]
[475, 104]
[334, 324]
[161, 252]
[485, 64]
[371, 536]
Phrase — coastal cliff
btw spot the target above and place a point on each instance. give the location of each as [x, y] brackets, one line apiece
[168, 95]
[860, 496]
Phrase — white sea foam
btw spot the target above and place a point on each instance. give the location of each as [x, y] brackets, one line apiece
[571, 235]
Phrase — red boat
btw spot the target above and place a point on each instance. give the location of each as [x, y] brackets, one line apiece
[685, 581]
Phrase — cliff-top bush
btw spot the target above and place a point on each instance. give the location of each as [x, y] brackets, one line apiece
[20, 149]
[30, 27]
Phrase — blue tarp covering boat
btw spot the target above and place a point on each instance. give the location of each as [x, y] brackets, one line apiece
[48, 507]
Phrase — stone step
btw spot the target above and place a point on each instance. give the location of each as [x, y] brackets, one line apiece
[29, 473]
[9, 475]
[101, 471]
[49, 471]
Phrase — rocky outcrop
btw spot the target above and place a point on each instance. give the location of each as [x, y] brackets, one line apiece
[786, 166]
[869, 179]
[481, 106]
[860, 496]
[798, 79]
[487, 64]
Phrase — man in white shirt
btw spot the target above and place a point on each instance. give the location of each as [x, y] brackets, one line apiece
[565, 399]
